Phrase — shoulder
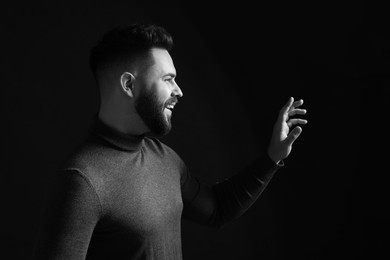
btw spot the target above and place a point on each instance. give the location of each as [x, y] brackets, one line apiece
[88, 163]
[87, 156]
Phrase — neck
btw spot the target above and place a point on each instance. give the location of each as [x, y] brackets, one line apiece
[130, 124]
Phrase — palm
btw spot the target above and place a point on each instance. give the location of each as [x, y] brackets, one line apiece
[284, 131]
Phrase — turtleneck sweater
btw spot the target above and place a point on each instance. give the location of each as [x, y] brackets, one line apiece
[122, 197]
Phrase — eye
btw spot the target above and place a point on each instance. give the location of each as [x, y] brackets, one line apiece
[170, 79]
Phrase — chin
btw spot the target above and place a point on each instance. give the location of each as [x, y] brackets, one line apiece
[160, 129]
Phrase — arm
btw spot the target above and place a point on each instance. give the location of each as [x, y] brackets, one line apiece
[227, 200]
[71, 214]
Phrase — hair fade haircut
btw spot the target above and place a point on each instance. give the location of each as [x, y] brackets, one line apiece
[121, 43]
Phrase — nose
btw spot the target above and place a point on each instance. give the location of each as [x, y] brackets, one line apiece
[177, 91]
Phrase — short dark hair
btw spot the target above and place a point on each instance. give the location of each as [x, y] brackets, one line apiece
[123, 42]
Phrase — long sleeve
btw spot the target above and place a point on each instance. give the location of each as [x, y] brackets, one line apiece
[70, 216]
[229, 199]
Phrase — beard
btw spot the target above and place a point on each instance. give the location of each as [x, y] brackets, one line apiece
[151, 111]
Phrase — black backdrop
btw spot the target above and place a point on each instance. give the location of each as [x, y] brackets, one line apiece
[237, 65]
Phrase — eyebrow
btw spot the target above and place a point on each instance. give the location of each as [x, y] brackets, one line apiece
[173, 75]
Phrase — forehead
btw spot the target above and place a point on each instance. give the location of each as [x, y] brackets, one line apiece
[162, 61]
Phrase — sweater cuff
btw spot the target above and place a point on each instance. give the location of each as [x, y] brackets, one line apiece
[266, 167]
[270, 163]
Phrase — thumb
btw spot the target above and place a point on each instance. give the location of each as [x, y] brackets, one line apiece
[293, 135]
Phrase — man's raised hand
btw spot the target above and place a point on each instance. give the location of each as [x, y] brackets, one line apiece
[282, 139]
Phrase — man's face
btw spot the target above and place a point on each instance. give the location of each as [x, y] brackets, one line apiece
[158, 93]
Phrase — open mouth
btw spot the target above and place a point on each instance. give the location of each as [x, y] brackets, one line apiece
[170, 105]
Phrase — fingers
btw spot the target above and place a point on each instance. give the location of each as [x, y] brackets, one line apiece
[290, 109]
[293, 135]
[286, 108]
[296, 121]
[297, 111]
[288, 105]
[298, 103]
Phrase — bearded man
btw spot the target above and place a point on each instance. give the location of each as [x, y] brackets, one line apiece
[122, 193]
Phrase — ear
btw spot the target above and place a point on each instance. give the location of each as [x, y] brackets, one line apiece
[127, 83]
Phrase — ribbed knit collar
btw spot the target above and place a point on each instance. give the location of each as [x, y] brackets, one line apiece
[117, 139]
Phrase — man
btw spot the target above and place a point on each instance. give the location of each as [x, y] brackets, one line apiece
[122, 194]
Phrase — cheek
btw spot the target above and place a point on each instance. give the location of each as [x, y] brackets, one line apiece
[162, 91]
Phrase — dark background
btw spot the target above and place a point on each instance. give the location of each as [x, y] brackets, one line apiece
[237, 65]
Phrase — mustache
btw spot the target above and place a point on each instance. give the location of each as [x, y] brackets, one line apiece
[173, 100]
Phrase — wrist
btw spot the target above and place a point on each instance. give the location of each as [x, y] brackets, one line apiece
[274, 158]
